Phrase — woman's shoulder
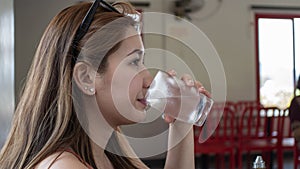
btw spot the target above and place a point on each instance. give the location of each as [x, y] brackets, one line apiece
[61, 160]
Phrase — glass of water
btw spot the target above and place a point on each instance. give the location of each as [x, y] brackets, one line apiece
[174, 98]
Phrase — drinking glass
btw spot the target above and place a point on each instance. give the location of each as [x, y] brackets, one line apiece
[174, 98]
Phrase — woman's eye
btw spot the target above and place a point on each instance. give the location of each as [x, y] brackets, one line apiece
[136, 62]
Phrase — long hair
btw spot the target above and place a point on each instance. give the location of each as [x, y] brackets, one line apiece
[45, 121]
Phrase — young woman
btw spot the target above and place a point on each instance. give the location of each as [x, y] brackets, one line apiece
[87, 78]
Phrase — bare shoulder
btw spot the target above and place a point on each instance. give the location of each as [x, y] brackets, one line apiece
[63, 160]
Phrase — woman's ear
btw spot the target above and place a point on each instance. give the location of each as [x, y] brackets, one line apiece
[84, 77]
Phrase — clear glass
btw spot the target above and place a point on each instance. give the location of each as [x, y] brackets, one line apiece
[174, 98]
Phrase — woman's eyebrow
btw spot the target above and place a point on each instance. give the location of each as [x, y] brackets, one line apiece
[139, 51]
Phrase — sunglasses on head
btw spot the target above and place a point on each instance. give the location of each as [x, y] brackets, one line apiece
[86, 22]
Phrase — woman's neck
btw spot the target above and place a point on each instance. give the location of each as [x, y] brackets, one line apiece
[101, 160]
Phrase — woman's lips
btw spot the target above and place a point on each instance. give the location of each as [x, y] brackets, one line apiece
[143, 101]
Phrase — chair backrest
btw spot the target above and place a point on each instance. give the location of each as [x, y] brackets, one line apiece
[225, 130]
[258, 122]
[241, 105]
[228, 104]
[286, 130]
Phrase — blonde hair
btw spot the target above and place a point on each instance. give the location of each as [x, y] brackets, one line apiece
[45, 120]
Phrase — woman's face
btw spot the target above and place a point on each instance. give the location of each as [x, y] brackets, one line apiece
[120, 91]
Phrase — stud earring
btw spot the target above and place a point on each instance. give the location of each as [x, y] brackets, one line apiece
[92, 90]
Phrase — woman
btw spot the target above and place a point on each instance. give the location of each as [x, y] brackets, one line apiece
[76, 67]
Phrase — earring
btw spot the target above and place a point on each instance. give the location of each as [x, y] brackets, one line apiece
[92, 90]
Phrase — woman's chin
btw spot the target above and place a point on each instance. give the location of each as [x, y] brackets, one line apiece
[137, 116]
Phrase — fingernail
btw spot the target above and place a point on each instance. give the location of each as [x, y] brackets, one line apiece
[173, 72]
[191, 82]
[201, 89]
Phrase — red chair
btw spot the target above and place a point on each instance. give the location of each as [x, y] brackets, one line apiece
[258, 132]
[287, 142]
[221, 142]
[296, 156]
[221, 105]
[241, 105]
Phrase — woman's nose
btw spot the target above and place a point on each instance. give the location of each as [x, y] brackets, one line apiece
[147, 79]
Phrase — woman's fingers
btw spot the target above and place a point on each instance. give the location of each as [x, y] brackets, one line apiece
[204, 91]
[168, 119]
[190, 82]
[172, 72]
[198, 84]
[201, 89]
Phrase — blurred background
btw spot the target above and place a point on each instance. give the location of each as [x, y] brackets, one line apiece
[257, 41]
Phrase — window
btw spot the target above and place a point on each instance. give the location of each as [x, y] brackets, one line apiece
[278, 58]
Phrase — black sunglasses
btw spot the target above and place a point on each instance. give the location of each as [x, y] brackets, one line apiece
[86, 22]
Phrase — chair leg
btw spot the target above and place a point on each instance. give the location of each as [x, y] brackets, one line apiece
[240, 160]
[204, 161]
[220, 161]
[217, 159]
[232, 160]
[248, 164]
[295, 158]
[266, 157]
[223, 161]
[280, 159]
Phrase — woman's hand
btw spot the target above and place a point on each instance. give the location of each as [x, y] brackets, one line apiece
[189, 82]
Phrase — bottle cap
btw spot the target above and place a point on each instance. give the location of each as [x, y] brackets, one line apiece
[259, 163]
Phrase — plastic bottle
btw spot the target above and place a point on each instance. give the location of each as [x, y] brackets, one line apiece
[259, 163]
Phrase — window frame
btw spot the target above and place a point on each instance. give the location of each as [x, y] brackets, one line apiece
[270, 15]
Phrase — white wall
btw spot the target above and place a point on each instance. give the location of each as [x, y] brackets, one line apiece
[231, 30]
[31, 19]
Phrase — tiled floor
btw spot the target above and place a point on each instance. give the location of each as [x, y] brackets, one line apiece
[288, 162]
